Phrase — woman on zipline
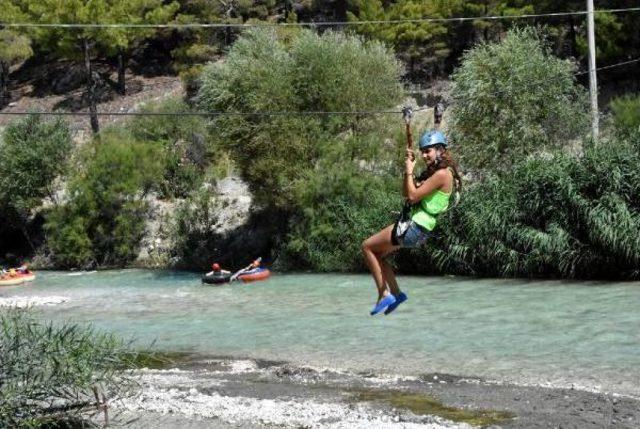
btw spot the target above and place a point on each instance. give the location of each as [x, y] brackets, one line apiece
[425, 198]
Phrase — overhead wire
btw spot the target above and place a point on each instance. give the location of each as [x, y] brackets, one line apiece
[213, 113]
[272, 113]
[610, 67]
[312, 24]
[580, 73]
[288, 113]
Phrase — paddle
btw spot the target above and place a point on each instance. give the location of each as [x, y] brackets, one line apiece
[242, 270]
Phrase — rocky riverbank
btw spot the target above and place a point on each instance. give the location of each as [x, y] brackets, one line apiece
[220, 392]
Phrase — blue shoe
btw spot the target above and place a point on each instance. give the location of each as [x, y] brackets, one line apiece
[384, 303]
[402, 297]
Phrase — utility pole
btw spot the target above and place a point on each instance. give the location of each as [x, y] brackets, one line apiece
[593, 79]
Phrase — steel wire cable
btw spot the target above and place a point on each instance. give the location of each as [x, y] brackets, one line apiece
[536, 83]
[323, 23]
[275, 113]
[312, 24]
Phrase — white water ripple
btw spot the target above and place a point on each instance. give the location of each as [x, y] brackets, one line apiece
[31, 301]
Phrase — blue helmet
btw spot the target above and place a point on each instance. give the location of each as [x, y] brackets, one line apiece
[432, 138]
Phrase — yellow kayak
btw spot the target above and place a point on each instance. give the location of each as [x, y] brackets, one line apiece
[14, 277]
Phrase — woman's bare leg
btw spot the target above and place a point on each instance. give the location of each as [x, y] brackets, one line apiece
[373, 249]
[389, 276]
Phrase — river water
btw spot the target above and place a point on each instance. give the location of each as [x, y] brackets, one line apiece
[584, 335]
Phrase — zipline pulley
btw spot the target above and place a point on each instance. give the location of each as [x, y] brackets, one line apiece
[407, 114]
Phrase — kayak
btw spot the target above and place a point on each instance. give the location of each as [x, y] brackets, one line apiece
[254, 275]
[216, 278]
[16, 278]
[245, 277]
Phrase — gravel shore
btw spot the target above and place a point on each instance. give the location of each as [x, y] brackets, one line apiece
[219, 392]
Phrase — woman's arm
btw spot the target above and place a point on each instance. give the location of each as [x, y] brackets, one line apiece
[414, 194]
[407, 176]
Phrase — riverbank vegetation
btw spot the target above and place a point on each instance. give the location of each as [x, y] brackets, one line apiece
[540, 198]
[34, 153]
[58, 375]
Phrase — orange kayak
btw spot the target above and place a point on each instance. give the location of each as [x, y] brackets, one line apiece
[254, 275]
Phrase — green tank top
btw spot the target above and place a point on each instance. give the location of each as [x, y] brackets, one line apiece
[427, 210]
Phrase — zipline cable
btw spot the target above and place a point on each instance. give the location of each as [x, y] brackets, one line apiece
[610, 67]
[218, 113]
[313, 24]
[273, 113]
[537, 83]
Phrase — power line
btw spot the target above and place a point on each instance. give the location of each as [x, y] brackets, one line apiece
[314, 24]
[271, 113]
[536, 83]
[610, 67]
[215, 113]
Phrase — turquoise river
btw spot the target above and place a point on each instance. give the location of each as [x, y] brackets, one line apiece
[554, 333]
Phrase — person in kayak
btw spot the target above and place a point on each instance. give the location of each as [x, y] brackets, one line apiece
[217, 271]
[426, 197]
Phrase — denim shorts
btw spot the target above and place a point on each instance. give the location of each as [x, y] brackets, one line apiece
[414, 237]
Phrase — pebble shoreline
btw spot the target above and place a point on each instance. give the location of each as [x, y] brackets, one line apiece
[230, 393]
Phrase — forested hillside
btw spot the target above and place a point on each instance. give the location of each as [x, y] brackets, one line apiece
[134, 84]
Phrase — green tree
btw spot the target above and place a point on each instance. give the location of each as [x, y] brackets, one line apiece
[183, 142]
[122, 40]
[610, 39]
[33, 153]
[82, 43]
[197, 46]
[103, 221]
[421, 45]
[339, 209]
[616, 38]
[14, 47]
[325, 10]
[626, 115]
[303, 72]
[514, 98]
[491, 30]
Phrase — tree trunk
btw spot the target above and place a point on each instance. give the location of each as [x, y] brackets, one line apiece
[227, 29]
[91, 87]
[486, 28]
[122, 64]
[287, 9]
[341, 10]
[573, 36]
[4, 87]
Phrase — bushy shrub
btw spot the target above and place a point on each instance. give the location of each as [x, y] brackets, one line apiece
[183, 142]
[33, 153]
[339, 209]
[298, 72]
[514, 98]
[626, 115]
[103, 221]
[556, 216]
[194, 223]
[48, 371]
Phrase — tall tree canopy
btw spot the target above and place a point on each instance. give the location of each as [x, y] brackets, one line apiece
[514, 98]
[14, 47]
[300, 72]
[83, 43]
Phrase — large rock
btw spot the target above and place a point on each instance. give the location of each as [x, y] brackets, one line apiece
[238, 234]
